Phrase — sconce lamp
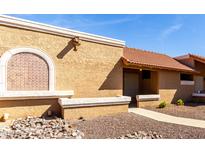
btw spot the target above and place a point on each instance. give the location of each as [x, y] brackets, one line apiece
[76, 43]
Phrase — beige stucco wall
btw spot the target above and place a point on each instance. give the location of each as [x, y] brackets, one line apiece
[199, 83]
[93, 111]
[23, 108]
[171, 90]
[142, 104]
[94, 70]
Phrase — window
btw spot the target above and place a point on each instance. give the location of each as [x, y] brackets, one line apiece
[27, 72]
[146, 74]
[186, 77]
[26, 69]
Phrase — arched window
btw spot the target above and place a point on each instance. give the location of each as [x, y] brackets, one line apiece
[27, 72]
[26, 69]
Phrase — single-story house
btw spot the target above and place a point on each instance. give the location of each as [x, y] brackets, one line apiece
[48, 70]
[152, 77]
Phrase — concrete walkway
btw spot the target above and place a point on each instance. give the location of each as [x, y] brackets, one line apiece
[168, 118]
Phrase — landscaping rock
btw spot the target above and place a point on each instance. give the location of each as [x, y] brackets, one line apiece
[141, 135]
[35, 127]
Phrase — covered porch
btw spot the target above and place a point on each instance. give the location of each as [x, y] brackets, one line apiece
[141, 85]
[143, 80]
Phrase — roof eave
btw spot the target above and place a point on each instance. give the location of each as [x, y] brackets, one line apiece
[40, 27]
[130, 63]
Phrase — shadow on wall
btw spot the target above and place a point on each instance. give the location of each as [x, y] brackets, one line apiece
[184, 93]
[68, 48]
[40, 107]
[114, 79]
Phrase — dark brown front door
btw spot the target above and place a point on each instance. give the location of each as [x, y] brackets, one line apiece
[131, 86]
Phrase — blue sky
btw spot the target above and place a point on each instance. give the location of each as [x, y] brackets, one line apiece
[170, 34]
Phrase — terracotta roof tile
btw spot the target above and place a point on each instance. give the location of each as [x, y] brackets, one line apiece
[189, 55]
[153, 60]
[202, 57]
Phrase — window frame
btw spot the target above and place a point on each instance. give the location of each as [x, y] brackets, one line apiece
[6, 57]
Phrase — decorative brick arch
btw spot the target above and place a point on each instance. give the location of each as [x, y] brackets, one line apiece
[11, 57]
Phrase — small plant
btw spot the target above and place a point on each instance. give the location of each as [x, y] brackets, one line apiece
[180, 102]
[162, 104]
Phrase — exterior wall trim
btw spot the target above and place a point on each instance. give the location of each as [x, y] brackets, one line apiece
[35, 26]
[187, 83]
[7, 55]
[198, 95]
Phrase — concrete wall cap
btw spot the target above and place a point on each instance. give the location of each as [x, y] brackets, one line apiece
[15, 95]
[77, 102]
[148, 97]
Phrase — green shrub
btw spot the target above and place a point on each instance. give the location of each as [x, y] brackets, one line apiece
[162, 104]
[180, 102]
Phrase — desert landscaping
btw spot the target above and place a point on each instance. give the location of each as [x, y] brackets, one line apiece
[188, 110]
[118, 126]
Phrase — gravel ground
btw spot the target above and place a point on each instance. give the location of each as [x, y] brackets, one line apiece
[120, 126]
[190, 110]
[126, 123]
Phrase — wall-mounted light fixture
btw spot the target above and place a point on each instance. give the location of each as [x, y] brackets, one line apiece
[76, 43]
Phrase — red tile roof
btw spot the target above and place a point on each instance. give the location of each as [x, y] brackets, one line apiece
[189, 55]
[132, 56]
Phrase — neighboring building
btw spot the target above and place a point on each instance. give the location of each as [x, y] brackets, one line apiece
[50, 70]
[197, 63]
[152, 77]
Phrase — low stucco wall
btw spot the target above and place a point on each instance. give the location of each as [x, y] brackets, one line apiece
[24, 108]
[147, 103]
[90, 112]
[171, 90]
